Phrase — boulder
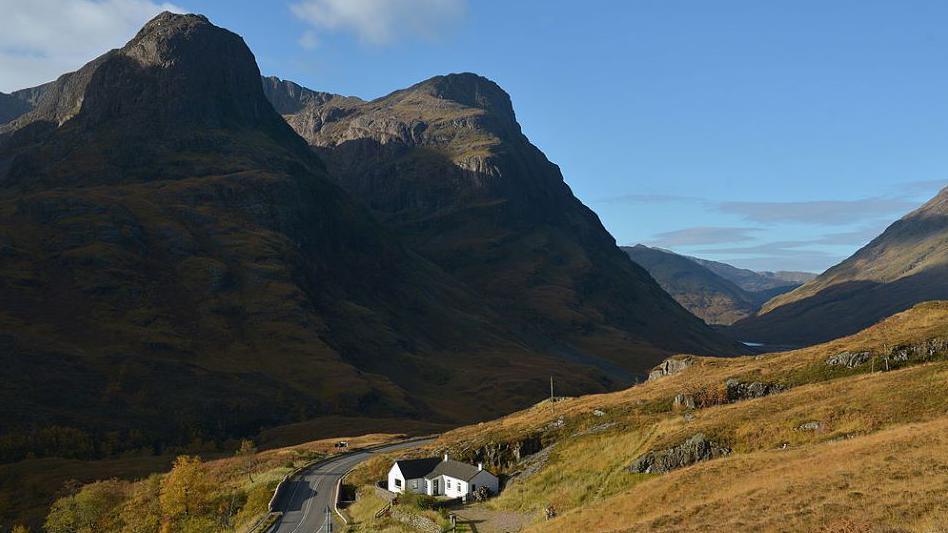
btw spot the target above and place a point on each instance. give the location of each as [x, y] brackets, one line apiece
[738, 390]
[684, 401]
[848, 359]
[696, 449]
[672, 365]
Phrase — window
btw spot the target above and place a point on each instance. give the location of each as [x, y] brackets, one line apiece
[398, 483]
[473, 487]
[414, 483]
[449, 483]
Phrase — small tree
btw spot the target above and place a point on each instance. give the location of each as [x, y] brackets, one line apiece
[481, 493]
[185, 490]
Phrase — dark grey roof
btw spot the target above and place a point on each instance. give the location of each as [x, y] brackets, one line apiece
[417, 468]
[455, 469]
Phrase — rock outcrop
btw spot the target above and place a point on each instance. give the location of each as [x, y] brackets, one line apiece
[738, 390]
[696, 449]
[670, 366]
[848, 359]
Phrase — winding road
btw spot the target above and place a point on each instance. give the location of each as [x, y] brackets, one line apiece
[306, 497]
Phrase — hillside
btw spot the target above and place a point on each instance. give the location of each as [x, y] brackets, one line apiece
[178, 268]
[711, 296]
[802, 439]
[906, 264]
[845, 436]
[445, 165]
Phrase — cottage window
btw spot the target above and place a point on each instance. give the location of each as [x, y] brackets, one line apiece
[449, 483]
[398, 482]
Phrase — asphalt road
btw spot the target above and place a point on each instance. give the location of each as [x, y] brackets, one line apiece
[306, 497]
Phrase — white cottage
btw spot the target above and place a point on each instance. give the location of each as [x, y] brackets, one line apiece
[440, 477]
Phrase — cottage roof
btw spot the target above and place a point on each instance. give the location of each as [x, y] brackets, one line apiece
[455, 469]
[417, 468]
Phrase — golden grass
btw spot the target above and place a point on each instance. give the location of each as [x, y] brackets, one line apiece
[896, 479]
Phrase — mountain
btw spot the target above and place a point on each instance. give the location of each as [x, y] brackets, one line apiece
[906, 264]
[178, 267]
[749, 280]
[709, 296]
[716, 292]
[445, 165]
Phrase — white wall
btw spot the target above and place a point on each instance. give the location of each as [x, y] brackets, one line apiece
[454, 488]
[486, 479]
[395, 474]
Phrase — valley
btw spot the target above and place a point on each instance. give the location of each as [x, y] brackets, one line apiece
[232, 302]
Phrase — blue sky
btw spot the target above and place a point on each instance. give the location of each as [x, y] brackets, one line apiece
[772, 135]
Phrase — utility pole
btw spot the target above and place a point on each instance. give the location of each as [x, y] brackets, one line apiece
[551, 389]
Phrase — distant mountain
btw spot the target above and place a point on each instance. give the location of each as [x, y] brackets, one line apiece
[708, 289]
[445, 165]
[905, 265]
[752, 281]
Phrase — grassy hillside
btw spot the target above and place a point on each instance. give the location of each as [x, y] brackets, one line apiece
[839, 447]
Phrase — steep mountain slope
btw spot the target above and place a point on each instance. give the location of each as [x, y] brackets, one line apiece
[701, 291]
[178, 267]
[444, 163]
[749, 280]
[906, 264]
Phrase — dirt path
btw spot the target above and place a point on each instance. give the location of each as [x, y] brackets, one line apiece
[482, 520]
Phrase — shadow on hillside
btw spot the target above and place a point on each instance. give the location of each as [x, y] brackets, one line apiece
[841, 310]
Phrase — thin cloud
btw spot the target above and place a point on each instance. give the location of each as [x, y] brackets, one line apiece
[636, 198]
[42, 39]
[380, 22]
[703, 235]
[820, 212]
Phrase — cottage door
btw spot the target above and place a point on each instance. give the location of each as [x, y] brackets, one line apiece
[434, 487]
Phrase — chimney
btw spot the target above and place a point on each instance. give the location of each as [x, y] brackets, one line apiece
[480, 466]
[445, 456]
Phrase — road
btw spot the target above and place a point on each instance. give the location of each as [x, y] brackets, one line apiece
[305, 498]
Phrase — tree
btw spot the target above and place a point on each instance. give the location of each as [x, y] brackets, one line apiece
[185, 490]
[93, 508]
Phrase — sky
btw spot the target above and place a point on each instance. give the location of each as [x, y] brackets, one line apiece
[779, 135]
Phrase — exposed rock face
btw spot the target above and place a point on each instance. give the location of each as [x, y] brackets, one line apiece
[848, 359]
[684, 401]
[905, 265]
[930, 348]
[738, 390]
[445, 164]
[670, 366]
[289, 98]
[695, 449]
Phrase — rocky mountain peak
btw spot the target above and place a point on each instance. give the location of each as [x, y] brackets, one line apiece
[470, 90]
[288, 97]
